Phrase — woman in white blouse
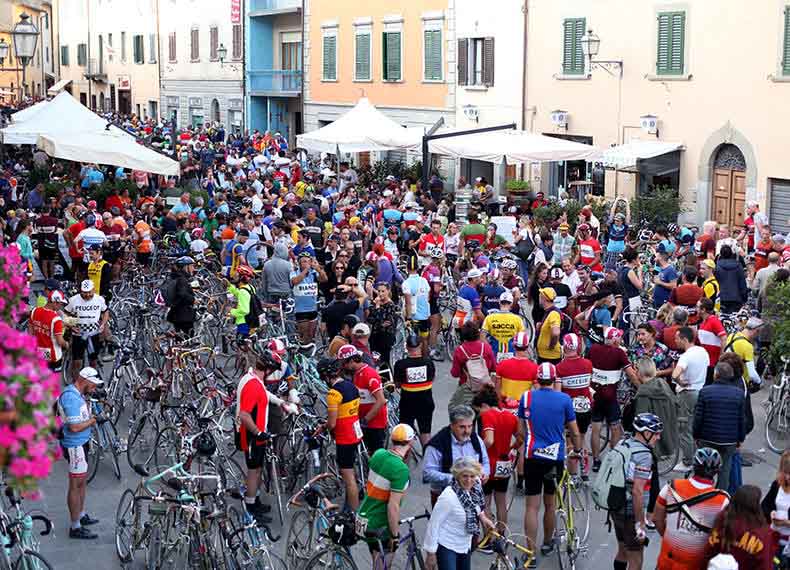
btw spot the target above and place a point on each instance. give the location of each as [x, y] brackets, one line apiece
[448, 539]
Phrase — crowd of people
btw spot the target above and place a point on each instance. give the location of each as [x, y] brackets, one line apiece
[563, 328]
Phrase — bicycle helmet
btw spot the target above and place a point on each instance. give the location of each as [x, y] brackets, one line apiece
[509, 264]
[197, 233]
[672, 229]
[277, 346]
[185, 260]
[707, 462]
[306, 254]
[328, 368]
[521, 341]
[245, 271]
[205, 445]
[647, 422]
[268, 361]
[413, 341]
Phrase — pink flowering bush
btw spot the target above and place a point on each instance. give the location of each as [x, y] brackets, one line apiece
[28, 388]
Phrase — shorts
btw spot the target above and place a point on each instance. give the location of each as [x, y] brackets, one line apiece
[144, 258]
[308, 316]
[55, 366]
[243, 330]
[375, 546]
[583, 420]
[417, 407]
[78, 460]
[374, 439]
[253, 455]
[606, 409]
[535, 476]
[434, 307]
[625, 530]
[496, 485]
[346, 455]
[91, 345]
[47, 254]
[421, 327]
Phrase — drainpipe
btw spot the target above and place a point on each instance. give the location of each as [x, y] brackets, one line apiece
[301, 83]
[525, 9]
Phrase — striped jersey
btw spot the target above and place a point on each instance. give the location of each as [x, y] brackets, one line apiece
[343, 398]
[387, 473]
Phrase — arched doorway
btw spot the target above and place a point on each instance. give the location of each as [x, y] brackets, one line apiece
[729, 185]
[215, 111]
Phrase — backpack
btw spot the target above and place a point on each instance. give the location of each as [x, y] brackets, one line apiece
[253, 318]
[168, 291]
[476, 369]
[609, 488]
[682, 506]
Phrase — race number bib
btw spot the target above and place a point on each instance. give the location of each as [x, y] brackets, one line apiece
[500, 356]
[417, 375]
[357, 429]
[503, 469]
[581, 404]
[46, 353]
[552, 452]
[360, 525]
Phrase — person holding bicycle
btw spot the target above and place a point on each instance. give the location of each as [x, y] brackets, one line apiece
[372, 404]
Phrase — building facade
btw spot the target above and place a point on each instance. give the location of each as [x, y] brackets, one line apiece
[400, 55]
[40, 72]
[109, 51]
[274, 63]
[720, 90]
[202, 61]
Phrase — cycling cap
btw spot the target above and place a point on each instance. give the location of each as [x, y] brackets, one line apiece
[584, 227]
[57, 297]
[361, 329]
[185, 260]
[707, 462]
[572, 341]
[556, 273]
[549, 293]
[347, 351]
[613, 333]
[197, 232]
[547, 371]
[94, 247]
[648, 422]
[474, 273]
[91, 375]
[506, 297]
[521, 341]
[402, 433]
[371, 256]
[277, 346]
[86, 286]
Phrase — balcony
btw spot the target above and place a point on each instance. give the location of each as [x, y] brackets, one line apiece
[273, 7]
[275, 82]
[95, 71]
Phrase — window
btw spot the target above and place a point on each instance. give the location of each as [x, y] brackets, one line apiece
[330, 56]
[432, 51]
[194, 44]
[786, 44]
[110, 51]
[152, 48]
[109, 40]
[671, 43]
[123, 47]
[82, 54]
[213, 42]
[137, 46]
[236, 52]
[476, 62]
[362, 53]
[171, 47]
[391, 52]
[572, 54]
[64, 55]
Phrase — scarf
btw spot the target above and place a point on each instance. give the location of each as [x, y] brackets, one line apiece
[472, 501]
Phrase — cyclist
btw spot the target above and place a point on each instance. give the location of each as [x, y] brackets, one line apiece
[589, 248]
[181, 312]
[46, 325]
[342, 403]
[629, 522]
[711, 334]
[243, 294]
[388, 481]
[545, 415]
[432, 242]
[516, 375]
[417, 306]
[502, 326]
[414, 375]
[742, 344]
[372, 404]
[548, 344]
[304, 281]
[687, 294]
[433, 274]
[468, 307]
[99, 272]
[92, 318]
[686, 511]
[710, 285]
[574, 374]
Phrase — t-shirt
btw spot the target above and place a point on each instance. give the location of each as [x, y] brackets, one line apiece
[387, 473]
[608, 362]
[576, 375]
[253, 399]
[563, 294]
[88, 313]
[305, 292]
[73, 409]
[517, 375]
[545, 413]
[587, 250]
[368, 382]
[414, 374]
[466, 302]
[501, 328]
[418, 290]
[45, 324]
[639, 467]
[741, 346]
[504, 425]
[710, 334]
[552, 320]
[474, 232]
[694, 362]
[343, 398]
[47, 227]
[661, 294]
[687, 295]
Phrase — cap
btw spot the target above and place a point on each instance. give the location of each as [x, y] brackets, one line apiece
[556, 273]
[390, 177]
[709, 263]
[361, 329]
[94, 247]
[474, 273]
[572, 341]
[619, 216]
[547, 371]
[778, 237]
[584, 227]
[277, 346]
[347, 351]
[57, 297]
[613, 333]
[86, 286]
[506, 297]
[92, 204]
[91, 375]
[521, 341]
[548, 292]
[754, 323]
[402, 433]
[564, 226]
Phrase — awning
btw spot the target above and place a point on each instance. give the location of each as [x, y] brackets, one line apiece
[58, 87]
[625, 156]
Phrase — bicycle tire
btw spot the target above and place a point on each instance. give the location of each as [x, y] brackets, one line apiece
[667, 462]
[563, 539]
[774, 430]
[299, 543]
[580, 503]
[112, 439]
[275, 487]
[93, 456]
[142, 435]
[124, 519]
[30, 560]
[331, 559]
[501, 562]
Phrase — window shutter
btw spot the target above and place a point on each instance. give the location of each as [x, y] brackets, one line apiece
[670, 52]
[330, 56]
[213, 42]
[392, 71]
[678, 42]
[362, 64]
[488, 62]
[64, 55]
[195, 46]
[171, 46]
[572, 53]
[152, 48]
[786, 51]
[236, 41]
[433, 55]
[463, 61]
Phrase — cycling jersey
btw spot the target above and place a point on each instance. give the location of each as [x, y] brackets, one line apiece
[305, 292]
[710, 334]
[95, 270]
[414, 374]
[552, 319]
[743, 347]
[466, 302]
[343, 398]
[517, 375]
[501, 328]
[368, 382]
[489, 297]
[233, 253]
[545, 413]
[88, 313]
[685, 236]
[418, 290]
[387, 473]
[45, 324]
[587, 250]
[711, 290]
[504, 425]
[430, 243]
[576, 375]
[617, 235]
[607, 362]
[253, 399]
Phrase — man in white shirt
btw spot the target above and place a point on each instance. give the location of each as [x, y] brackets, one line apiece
[571, 278]
[689, 374]
[255, 183]
[89, 236]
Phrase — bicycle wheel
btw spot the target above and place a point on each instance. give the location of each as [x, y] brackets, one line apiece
[565, 542]
[579, 501]
[275, 488]
[124, 526]
[408, 557]
[142, 440]
[777, 427]
[30, 560]
[94, 455]
[501, 562]
[167, 448]
[111, 440]
[301, 537]
[332, 558]
[231, 473]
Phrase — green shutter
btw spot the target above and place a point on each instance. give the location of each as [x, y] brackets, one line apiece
[433, 55]
[362, 64]
[786, 51]
[391, 49]
[670, 52]
[572, 54]
[330, 58]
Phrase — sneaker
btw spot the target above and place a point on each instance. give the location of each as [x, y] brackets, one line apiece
[682, 467]
[596, 465]
[650, 525]
[82, 533]
[547, 548]
[87, 520]
[533, 564]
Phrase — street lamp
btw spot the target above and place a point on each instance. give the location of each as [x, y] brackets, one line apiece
[3, 50]
[222, 53]
[591, 44]
[25, 35]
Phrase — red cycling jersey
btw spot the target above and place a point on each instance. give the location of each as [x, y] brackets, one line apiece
[368, 382]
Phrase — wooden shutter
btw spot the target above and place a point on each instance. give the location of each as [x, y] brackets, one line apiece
[670, 52]
[171, 46]
[152, 48]
[195, 44]
[391, 56]
[236, 41]
[463, 61]
[786, 51]
[330, 58]
[433, 55]
[213, 42]
[488, 62]
[572, 53]
[362, 56]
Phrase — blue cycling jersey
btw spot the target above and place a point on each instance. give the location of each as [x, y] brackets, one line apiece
[545, 413]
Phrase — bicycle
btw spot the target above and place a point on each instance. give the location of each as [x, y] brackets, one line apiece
[499, 545]
[312, 519]
[20, 546]
[409, 558]
[777, 421]
[104, 440]
[572, 500]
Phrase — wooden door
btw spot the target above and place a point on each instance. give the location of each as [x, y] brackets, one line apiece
[722, 182]
[738, 204]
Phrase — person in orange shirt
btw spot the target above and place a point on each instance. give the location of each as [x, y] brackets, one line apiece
[143, 242]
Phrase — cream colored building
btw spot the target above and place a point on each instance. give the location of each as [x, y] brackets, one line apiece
[715, 74]
[109, 49]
